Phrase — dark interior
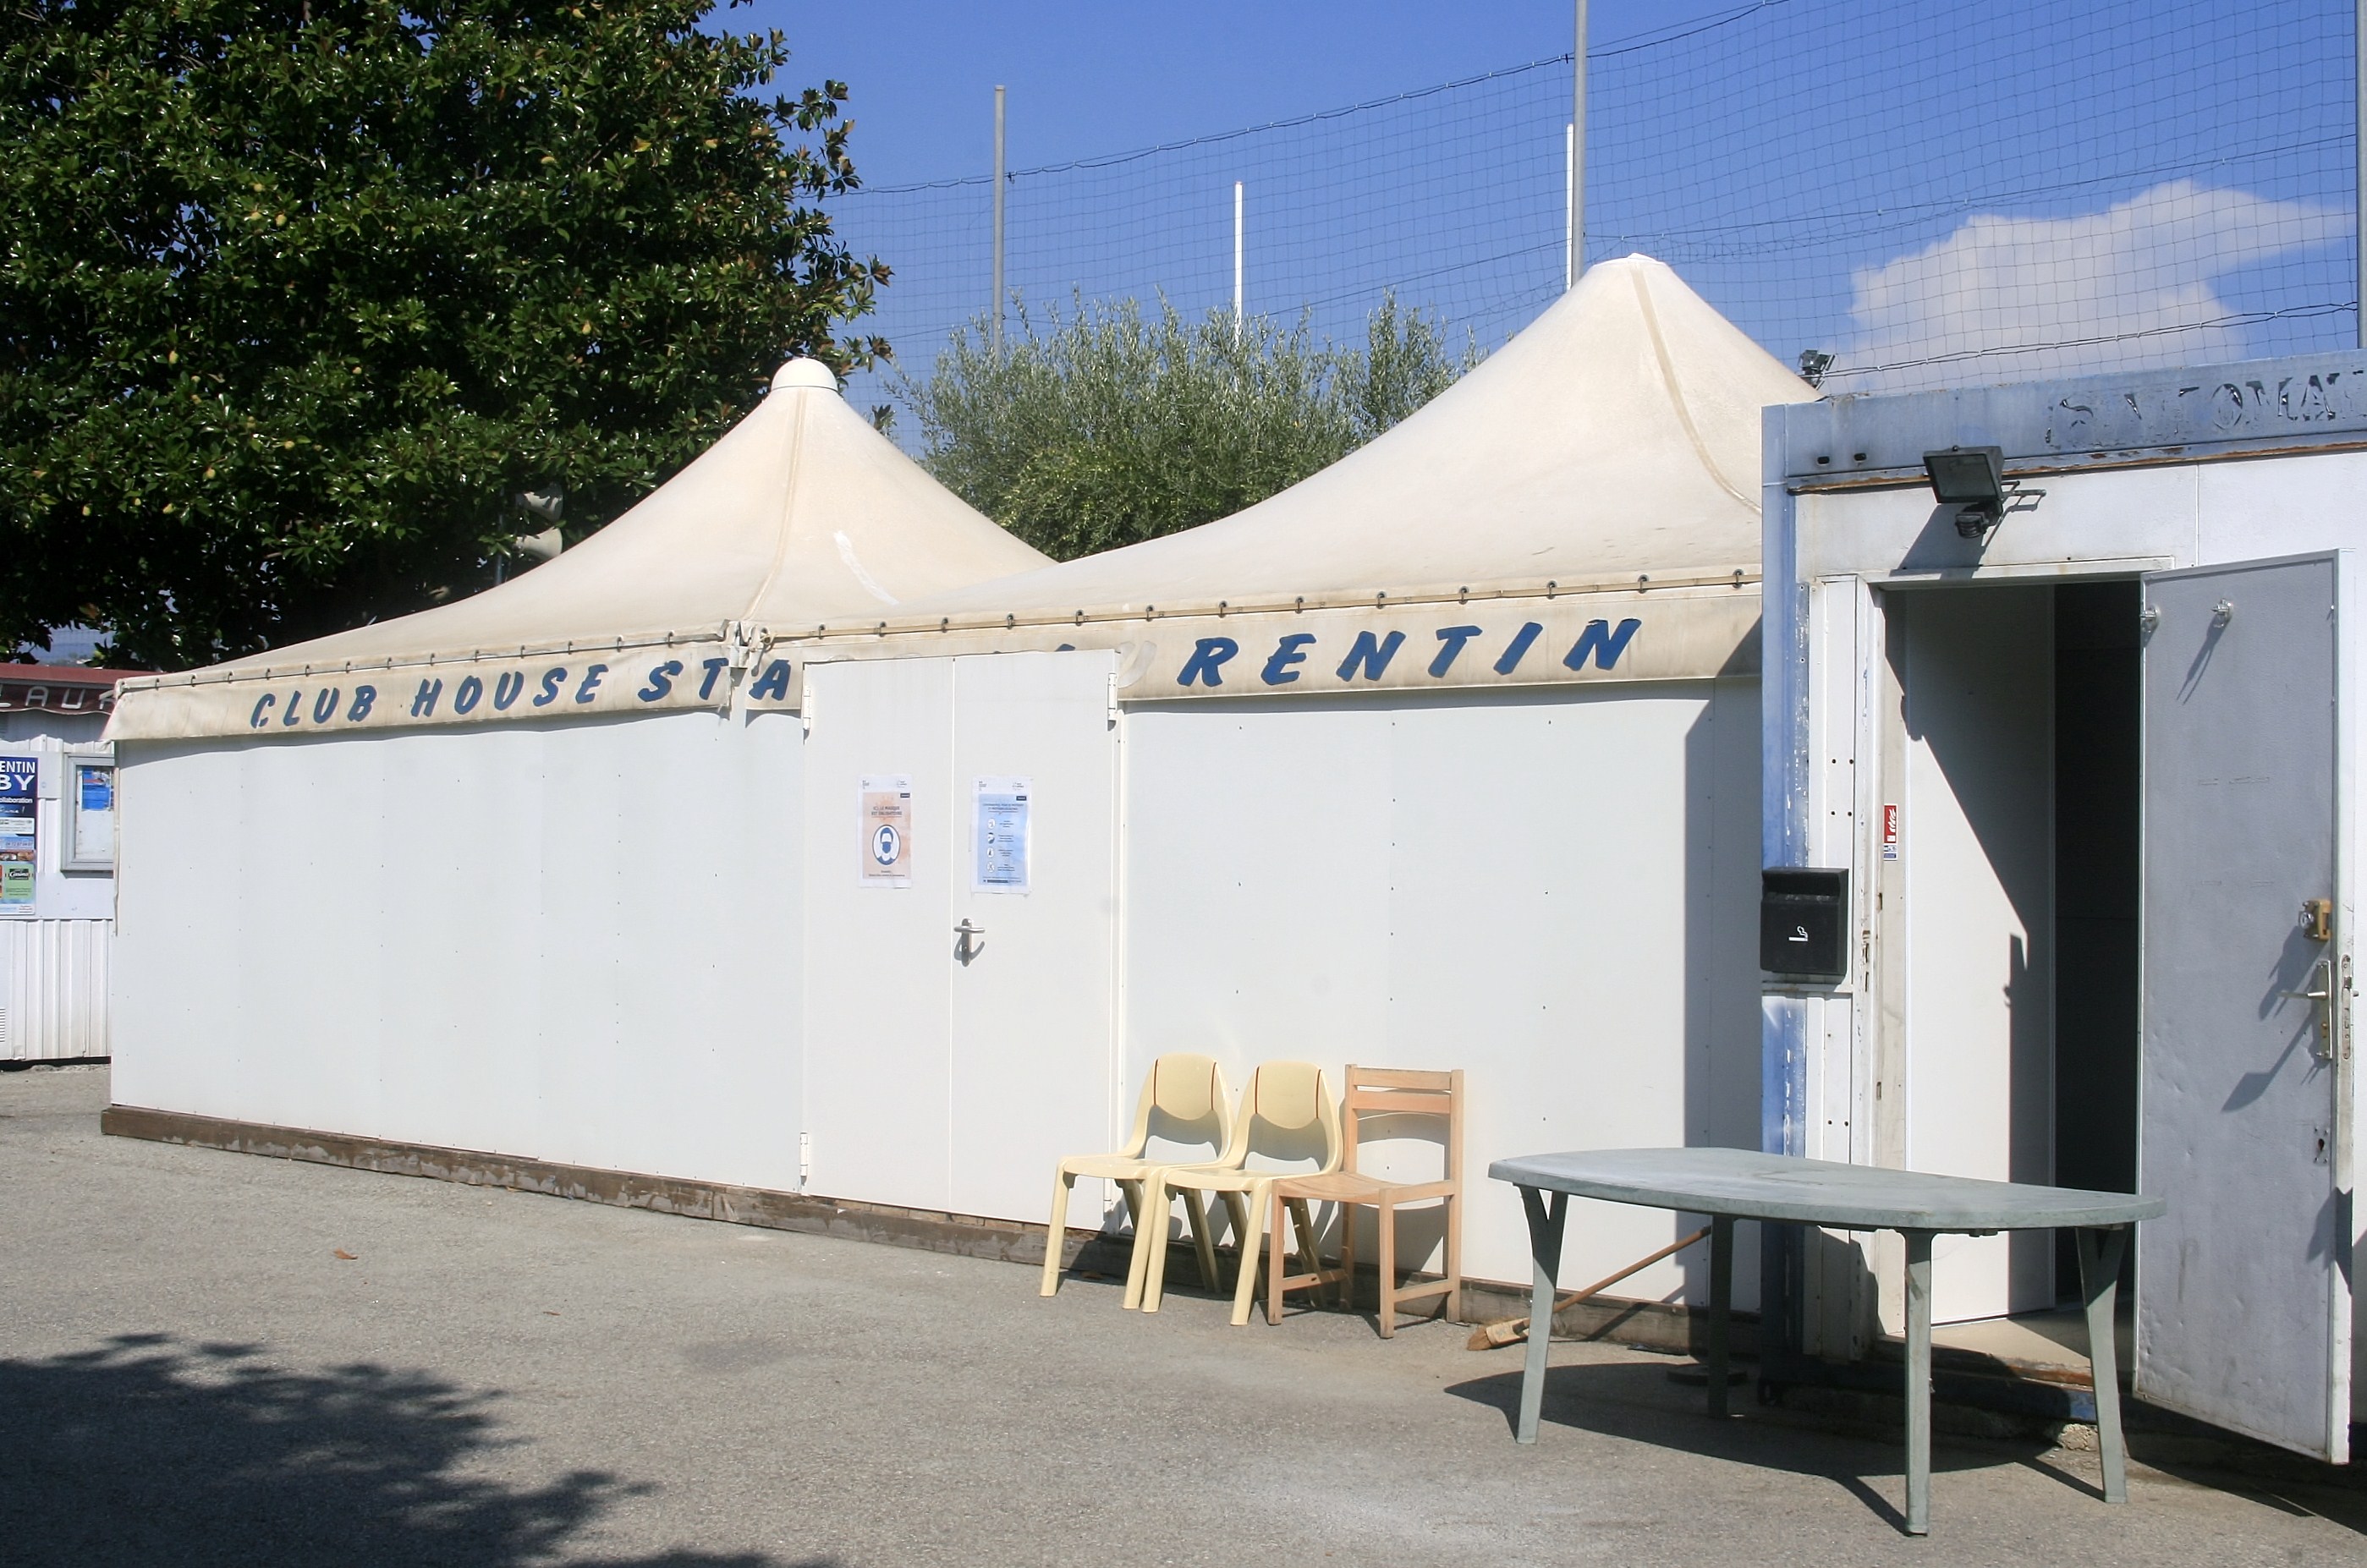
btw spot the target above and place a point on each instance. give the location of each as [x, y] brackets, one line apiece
[2097, 690]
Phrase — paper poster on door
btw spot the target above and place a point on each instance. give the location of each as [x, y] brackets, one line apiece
[19, 841]
[887, 802]
[999, 835]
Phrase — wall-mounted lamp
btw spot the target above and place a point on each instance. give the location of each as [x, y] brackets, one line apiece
[1972, 477]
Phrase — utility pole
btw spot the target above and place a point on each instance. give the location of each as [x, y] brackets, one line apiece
[998, 209]
[2359, 189]
[1576, 237]
[1237, 254]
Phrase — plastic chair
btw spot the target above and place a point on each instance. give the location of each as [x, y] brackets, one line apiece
[1379, 1092]
[1187, 1095]
[1287, 1113]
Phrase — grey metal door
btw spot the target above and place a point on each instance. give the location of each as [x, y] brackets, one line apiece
[2244, 1310]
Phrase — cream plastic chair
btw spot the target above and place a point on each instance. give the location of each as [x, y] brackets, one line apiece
[1184, 1099]
[1287, 1113]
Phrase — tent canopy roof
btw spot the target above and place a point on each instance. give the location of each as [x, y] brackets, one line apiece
[802, 513]
[1617, 435]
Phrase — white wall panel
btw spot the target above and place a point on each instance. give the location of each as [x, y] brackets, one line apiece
[578, 943]
[1553, 892]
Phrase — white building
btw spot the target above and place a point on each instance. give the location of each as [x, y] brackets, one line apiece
[1447, 756]
[2089, 765]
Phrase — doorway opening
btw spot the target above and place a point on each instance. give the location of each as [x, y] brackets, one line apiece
[2007, 882]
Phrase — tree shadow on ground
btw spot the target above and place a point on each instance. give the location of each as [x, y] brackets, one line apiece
[145, 1450]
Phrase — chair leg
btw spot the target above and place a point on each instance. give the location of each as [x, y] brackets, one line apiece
[1154, 1268]
[1279, 1265]
[1057, 1233]
[1252, 1247]
[1137, 1261]
[1347, 1258]
[1454, 1257]
[1237, 1207]
[1310, 1247]
[1387, 1220]
[1203, 1244]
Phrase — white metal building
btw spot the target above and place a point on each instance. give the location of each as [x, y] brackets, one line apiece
[2091, 765]
[57, 912]
[1446, 757]
[522, 873]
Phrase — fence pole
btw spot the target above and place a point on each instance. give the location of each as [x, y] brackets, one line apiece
[998, 211]
[1237, 254]
[1577, 266]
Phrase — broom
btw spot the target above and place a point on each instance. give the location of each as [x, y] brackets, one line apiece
[1512, 1330]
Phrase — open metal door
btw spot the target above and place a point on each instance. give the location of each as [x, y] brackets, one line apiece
[2244, 1304]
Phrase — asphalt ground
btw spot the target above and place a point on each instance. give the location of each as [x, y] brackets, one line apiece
[192, 1370]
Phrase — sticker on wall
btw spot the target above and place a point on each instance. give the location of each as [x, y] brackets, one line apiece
[999, 835]
[886, 800]
[1890, 833]
[20, 831]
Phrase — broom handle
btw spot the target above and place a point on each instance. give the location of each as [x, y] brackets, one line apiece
[1608, 1280]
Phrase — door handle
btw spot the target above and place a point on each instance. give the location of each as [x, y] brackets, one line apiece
[967, 942]
[2322, 1047]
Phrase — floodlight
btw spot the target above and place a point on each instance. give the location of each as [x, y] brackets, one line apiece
[1972, 477]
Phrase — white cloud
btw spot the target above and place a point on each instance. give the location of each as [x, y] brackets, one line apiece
[2059, 285]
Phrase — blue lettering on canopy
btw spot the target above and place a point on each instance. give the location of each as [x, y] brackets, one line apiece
[467, 694]
[773, 685]
[364, 698]
[591, 682]
[262, 713]
[1209, 655]
[425, 703]
[325, 707]
[292, 714]
[553, 679]
[506, 687]
[1290, 650]
[1510, 660]
[1599, 639]
[1451, 641]
[713, 666]
[1372, 655]
[661, 681]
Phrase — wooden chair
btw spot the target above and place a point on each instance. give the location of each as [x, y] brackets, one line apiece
[1378, 1092]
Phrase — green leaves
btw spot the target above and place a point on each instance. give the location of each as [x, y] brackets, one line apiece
[1107, 428]
[293, 300]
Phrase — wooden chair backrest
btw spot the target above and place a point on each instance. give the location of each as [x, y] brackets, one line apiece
[1403, 1091]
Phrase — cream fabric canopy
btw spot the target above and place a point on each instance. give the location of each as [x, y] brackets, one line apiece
[802, 513]
[1597, 477]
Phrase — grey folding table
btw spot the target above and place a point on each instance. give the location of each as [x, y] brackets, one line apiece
[1740, 1184]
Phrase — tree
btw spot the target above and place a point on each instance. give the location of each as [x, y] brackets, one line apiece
[298, 295]
[1104, 428]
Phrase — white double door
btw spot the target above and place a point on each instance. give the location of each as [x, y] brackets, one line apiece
[947, 1070]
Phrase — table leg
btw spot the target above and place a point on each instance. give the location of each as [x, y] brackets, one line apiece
[2100, 1278]
[1545, 1255]
[1721, 1301]
[1918, 1382]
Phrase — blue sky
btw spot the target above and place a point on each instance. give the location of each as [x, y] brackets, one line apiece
[1102, 78]
[1936, 191]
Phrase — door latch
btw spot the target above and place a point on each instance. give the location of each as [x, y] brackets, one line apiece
[967, 941]
[2317, 919]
